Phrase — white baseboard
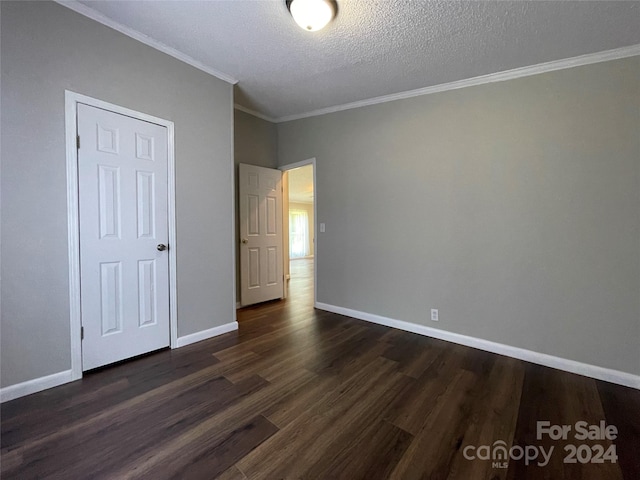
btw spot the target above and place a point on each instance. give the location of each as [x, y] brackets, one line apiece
[238, 305]
[43, 383]
[206, 334]
[593, 371]
[36, 385]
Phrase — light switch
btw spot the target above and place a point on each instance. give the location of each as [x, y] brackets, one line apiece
[322, 228]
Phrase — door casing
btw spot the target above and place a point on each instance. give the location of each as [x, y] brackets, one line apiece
[73, 221]
[285, 234]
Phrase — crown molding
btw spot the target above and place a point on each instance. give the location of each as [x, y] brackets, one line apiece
[130, 32]
[254, 113]
[563, 64]
[527, 71]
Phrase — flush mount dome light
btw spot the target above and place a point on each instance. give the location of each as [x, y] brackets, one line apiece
[312, 15]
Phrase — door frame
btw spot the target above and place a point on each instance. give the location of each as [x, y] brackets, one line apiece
[71, 101]
[291, 166]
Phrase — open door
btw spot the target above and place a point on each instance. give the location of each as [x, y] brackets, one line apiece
[261, 259]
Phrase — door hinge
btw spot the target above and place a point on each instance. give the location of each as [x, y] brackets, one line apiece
[78, 142]
[81, 333]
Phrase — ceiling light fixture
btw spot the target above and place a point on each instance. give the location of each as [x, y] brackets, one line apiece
[312, 15]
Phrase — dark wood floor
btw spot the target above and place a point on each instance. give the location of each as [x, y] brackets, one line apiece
[299, 393]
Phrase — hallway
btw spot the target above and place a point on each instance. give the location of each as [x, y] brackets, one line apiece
[301, 283]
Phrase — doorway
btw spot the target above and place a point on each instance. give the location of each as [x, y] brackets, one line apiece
[300, 231]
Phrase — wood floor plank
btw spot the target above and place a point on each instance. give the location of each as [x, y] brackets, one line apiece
[232, 473]
[436, 442]
[221, 455]
[494, 417]
[305, 354]
[194, 441]
[163, 422]
[384, 443]
[411, 411]
[307, 436]
[562, 399]
[53, 430]
[297, 393]
[356, 432]
[132, 385]
[621, 407]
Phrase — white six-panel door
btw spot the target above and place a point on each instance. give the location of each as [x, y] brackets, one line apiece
[261, 270]
[124, 273]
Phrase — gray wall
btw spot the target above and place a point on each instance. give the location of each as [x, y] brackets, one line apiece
[513, 208]
[255, 143]
[46, 49]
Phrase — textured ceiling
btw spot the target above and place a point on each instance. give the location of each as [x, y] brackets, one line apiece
[372, 48]
[301, 184]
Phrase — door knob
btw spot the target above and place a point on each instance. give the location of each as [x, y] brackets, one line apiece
[244, 240]
[161, 247]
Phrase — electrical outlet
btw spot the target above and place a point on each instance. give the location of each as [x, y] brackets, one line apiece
[322, 228]
[434, 314]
